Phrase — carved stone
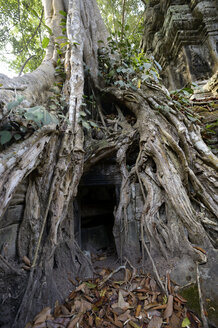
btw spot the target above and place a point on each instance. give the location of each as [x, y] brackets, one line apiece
[183, 37]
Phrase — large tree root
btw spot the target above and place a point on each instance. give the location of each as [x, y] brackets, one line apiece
[174, 168]
[178, 202]
[167, 169]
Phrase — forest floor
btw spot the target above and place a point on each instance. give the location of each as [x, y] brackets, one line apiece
[119, 296]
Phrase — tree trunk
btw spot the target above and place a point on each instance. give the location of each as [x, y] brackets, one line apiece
[173, 167]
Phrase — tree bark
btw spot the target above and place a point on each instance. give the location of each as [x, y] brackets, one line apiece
[175, 169]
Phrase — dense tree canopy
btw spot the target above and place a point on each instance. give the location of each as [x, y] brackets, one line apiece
[123, 17]
[22, 33]
[25, 34]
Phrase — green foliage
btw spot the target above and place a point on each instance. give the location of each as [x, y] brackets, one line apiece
[15, 103]
[57, 102]
[112, 10]
[194, 113]
[61, 47]
[5, 136]
[182, 95]
[63, 13]
[25, 33]
[22, 29]
[23, 121]
[85, 114]
[39, 115]
[124, 65]
[181, 100]
[211, 126]
[186, 322]
[45, 42]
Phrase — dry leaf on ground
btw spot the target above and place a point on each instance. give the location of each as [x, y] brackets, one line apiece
[169, 309]
[155, 322]
[138, 304]
[42, 316]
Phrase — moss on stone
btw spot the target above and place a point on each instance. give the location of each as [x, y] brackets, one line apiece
[211, 307]
[190, 293]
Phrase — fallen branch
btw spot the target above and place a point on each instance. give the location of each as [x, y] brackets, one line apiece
[23, 66]
[155, 269]
[111, 274]
[133, 268]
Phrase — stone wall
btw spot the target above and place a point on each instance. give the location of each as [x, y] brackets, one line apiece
[183, 37]
[9, 223]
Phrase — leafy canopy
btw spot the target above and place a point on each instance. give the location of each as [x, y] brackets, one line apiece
[22, 32]
[113, 12]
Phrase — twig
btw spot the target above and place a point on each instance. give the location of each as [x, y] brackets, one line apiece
[155, 269]
[168, 283]
[98, 102]
[134, 271]
[101, 114]
[33, 35]
[133, 268]
[137, 24]
[123, 18]
[120, 114]
[22, 88]
[203, 317]
[111, 274]
[22, 68]
[18, 10]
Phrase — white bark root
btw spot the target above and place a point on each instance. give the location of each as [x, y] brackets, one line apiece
[171, 154]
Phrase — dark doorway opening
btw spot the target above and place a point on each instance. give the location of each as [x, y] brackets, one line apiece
[96, 206]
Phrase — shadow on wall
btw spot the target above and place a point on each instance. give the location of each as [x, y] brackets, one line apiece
[95, 219]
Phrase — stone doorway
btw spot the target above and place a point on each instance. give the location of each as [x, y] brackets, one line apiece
[95, 218]
[98, 195]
